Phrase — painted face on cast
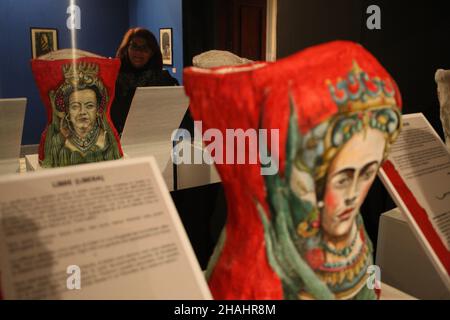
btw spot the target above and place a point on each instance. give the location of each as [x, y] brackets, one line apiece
[350, 175]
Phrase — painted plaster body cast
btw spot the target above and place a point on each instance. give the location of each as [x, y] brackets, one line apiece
[298, 234]
[77, 93]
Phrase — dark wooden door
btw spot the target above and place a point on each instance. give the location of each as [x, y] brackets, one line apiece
[242, 27]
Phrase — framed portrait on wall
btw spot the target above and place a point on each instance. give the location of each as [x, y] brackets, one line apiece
[43, 41]
[166, 45]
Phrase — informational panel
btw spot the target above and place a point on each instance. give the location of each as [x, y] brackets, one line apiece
[417, 174]
[154, 114]
[12, 114]
[97, 231]
[398, 248]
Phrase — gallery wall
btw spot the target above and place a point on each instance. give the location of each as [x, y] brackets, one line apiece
[409, 44]
[156, 14]
[103, 23]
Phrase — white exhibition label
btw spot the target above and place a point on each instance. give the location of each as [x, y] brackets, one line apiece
[109, 228]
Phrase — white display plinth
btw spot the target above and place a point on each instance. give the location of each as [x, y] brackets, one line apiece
[9, 166]
[404, 263]
[161, 152]
[32, 162]
[188, 175]
[195, 175]
[390, 293]
[12, 114]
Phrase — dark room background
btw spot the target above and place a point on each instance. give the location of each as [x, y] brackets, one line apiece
[412, 44]
[103, 24]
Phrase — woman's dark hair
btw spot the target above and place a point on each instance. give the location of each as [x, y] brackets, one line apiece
[155, 62]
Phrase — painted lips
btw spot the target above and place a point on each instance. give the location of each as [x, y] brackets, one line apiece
[346, 214]
[83, 119]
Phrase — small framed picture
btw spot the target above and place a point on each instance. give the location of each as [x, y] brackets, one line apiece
[43, 41]
[166, 44]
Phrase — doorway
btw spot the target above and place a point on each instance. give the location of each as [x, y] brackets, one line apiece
[246, 28]
[242, 27]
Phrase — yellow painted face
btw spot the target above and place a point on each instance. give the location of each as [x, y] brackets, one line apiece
[83, 110]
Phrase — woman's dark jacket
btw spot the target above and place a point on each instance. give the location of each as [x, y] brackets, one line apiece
[127, 82]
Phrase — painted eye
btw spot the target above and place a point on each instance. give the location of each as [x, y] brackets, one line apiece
[342, 182]
[368, 174]
[74, 107]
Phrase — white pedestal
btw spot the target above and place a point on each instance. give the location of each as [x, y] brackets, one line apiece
[12, 114]
[403, 262]
[32, 162]
[188, 175]
[9, 166]
[161, 152]
[390, 293]
[195, 175]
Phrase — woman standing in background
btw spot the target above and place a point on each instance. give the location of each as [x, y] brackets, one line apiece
[141, 66]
